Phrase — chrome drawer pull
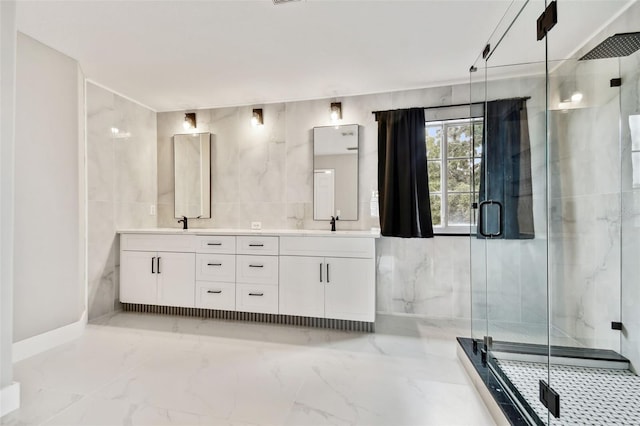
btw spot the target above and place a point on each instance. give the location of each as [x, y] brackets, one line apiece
[214, 264]
[256, 266]
[256, 294]
[214, 291]
[214, 244]
[256, 245]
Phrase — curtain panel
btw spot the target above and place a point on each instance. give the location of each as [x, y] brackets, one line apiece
[403, 184]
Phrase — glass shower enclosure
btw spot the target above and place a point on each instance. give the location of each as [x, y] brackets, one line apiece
[555, 254]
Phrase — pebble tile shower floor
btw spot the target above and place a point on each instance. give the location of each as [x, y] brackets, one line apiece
[588, 396]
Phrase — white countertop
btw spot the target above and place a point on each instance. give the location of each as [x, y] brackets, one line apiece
[265, 232]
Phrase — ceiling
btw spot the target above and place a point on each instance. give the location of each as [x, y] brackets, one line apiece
[176, 55]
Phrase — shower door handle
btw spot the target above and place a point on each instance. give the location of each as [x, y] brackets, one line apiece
[481, 208]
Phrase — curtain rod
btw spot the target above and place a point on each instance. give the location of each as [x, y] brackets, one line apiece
[457, 105]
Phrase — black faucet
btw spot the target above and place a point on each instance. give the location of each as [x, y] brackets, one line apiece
[333, 223]
[184, 223]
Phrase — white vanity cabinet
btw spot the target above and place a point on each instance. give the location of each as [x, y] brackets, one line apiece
[295, 274]
[162, 277]
[329, 286]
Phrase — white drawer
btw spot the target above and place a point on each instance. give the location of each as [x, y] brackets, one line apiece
[257, 298]
[257, 245]
[155, 242]
[257, 269]
[328, 246]
[216, 295]
[215, 267]
[215, 244]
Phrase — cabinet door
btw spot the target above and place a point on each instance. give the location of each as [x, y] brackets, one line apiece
[350, 289]
[301, 286]
[138, 278]
[176, 279]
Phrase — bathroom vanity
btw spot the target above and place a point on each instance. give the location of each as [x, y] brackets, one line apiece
[289, 276]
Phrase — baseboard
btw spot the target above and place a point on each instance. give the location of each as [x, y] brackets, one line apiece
[9, 398]
[43, 342]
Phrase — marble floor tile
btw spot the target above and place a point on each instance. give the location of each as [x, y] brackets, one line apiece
[143, 369]
[38, 405]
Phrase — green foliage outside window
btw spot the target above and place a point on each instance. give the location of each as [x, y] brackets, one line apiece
[454, 149]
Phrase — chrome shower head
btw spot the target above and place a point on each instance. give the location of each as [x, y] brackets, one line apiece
[618, 45]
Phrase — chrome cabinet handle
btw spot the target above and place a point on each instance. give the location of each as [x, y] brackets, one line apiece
[214, 244]
[214, 264]
[328, 274]
[256, 245]
[153, 265]
[159, 264]
[256, 266]
[320, 272]
[214, 291]
[256, 294]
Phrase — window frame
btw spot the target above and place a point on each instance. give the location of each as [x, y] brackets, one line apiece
[445, 228]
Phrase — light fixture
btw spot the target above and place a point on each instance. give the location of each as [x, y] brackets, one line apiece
[189, 120]
[115, 130]
[336, 111]
[576, 97]
[257, 119]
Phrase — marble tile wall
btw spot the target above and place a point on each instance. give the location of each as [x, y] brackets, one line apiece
[594, 239]
[122, 185]
[584, 203]
[265, 174]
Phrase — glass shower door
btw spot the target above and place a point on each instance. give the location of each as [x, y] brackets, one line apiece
[509, 246]
[554, 255]
[630, 205]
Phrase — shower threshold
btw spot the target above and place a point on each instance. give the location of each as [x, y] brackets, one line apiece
[595, 386]
[560, 355]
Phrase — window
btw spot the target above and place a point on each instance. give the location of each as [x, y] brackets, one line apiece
[454, 150]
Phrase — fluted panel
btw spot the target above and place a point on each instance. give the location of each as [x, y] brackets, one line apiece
[358, 326]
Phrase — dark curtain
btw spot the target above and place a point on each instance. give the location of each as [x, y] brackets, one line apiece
[505, 171]
[403, 187]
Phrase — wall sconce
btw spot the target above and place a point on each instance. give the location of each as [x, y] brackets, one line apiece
[257, 119]
[336, 111]
[189, 120]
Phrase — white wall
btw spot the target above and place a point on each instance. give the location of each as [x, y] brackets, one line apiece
[49, 289]
[7, 110]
